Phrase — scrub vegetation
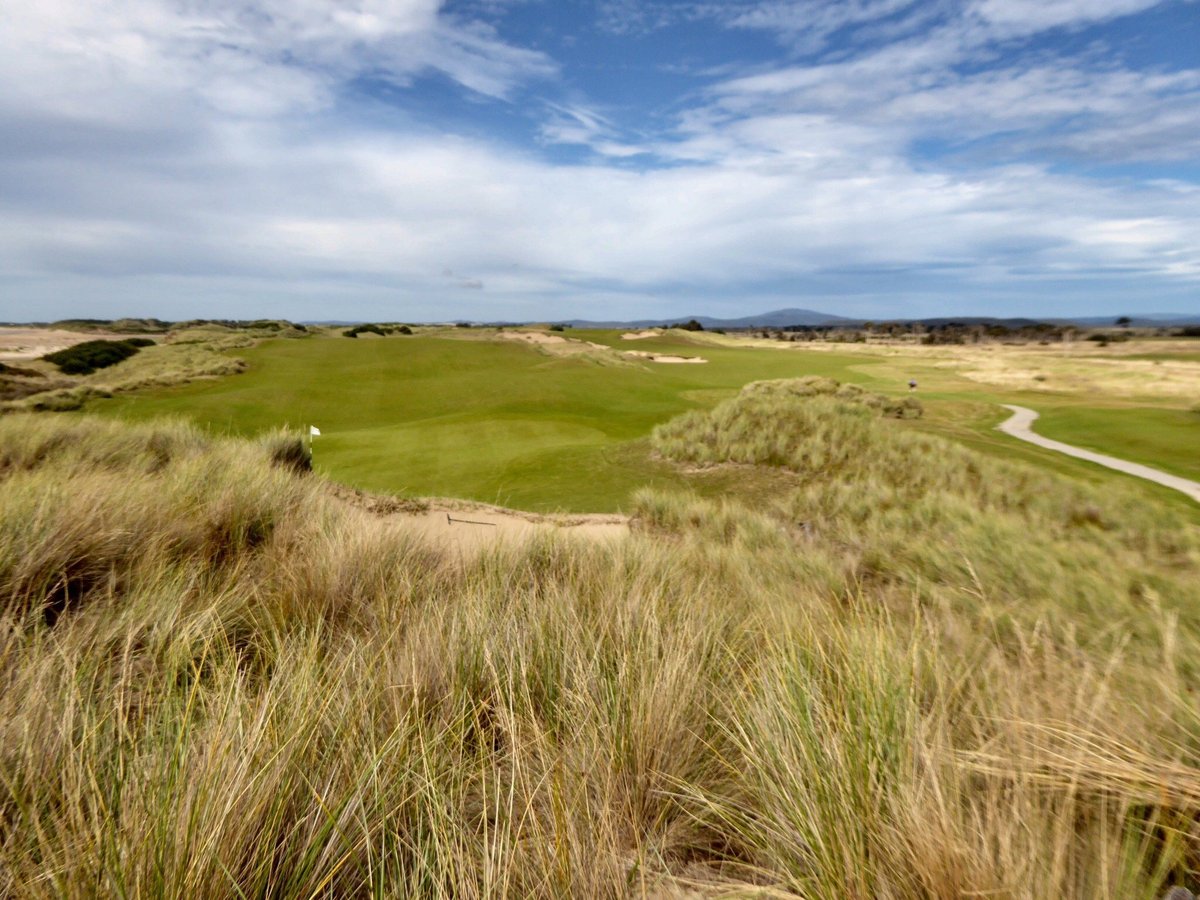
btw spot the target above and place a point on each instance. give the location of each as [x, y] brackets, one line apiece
[100, 369]
[86, 358]
[916, 672]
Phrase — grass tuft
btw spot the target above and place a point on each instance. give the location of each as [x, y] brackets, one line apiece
[221, 680]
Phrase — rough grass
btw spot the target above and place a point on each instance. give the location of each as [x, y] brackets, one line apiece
[219, 680]
[102, 369]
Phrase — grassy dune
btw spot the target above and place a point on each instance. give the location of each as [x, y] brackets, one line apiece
[899, 679]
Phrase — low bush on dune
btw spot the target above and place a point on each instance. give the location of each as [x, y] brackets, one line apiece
[369, 329]
[85, 358]
[220, 680]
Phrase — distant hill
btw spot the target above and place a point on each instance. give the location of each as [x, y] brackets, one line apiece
[778, 318]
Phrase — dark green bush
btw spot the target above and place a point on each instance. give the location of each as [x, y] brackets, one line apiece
[404, 329]
[86, 358]
[289, 451]
[20, 372]
[366, 329]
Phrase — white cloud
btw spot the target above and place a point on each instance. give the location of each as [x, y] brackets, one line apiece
[154, 149]
[271, 57]
[1020, 17]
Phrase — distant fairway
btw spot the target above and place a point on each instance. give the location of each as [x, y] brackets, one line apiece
[453, 413]
[486, 420]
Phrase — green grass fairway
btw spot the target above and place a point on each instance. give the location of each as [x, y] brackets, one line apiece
[453, 414]
[486, 420]
[1168, 439]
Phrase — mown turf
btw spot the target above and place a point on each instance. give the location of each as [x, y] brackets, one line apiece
[487, 420]
[503, 422]
[1168, 439]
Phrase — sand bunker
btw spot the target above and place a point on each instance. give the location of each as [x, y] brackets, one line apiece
[533, 337]
[468, 528]
[640, 335]
[660, 358]
[554, 344]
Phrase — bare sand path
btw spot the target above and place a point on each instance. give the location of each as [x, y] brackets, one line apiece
[1018, 425]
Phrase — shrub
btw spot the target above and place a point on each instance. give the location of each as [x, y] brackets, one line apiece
[288, 451]
[19, 372]
[66, 400]
[86, 358]
[404, 329]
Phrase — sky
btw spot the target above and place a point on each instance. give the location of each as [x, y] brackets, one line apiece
[522, 160]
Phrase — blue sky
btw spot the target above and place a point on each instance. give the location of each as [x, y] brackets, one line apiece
[532, 159]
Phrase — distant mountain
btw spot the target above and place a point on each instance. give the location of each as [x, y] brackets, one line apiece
[779, 318]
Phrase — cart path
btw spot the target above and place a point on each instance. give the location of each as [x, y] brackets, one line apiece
[1018, 425]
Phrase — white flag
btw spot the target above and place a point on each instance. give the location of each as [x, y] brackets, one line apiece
[314, 430]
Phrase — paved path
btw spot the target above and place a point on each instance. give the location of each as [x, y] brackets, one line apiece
[1022, 418]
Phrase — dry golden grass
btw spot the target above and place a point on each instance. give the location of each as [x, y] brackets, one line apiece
[1140, 368]
[221, 680]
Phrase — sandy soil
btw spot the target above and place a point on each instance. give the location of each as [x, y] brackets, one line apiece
[1019, 426]
[31, 343]
[640, 335]
[557, 345]
[659, 358]
[533, 337]
[474, 530]
[468, 528]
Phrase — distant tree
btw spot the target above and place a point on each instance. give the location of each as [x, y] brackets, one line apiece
[1124, 321]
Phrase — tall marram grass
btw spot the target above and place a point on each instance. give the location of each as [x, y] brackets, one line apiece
[217, 679]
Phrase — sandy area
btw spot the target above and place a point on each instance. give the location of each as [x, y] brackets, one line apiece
[31, 343]
[533, 337]
[553, 343]
[660, 358]
[640, 335]
[468, 528]
[472, 530]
